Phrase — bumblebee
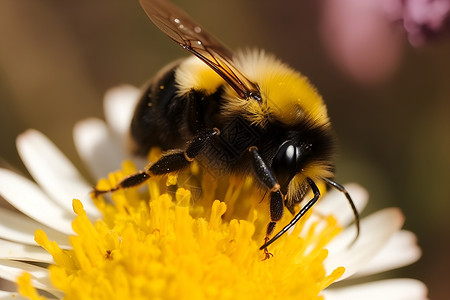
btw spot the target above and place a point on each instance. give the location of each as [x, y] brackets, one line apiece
[240, 114]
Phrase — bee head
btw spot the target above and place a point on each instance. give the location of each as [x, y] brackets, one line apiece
[304, 153]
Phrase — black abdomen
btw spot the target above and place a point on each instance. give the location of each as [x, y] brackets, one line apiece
[165, 119]
[159, 114]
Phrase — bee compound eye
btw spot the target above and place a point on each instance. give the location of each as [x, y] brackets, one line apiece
[284, 164]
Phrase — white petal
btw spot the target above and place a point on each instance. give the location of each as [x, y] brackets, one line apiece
[98, 147]
[401, 250]
[53, 171]
[10, 270]
[10, 250]
[4, 295]
[376, 230]
[17, 227]
[28, 198]
[336, 204]
[391, 289]
[119, 107]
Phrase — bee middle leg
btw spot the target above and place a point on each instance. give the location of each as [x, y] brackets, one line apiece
[266, 176]
[173, 161]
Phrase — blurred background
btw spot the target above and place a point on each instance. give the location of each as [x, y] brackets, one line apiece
[387, 89]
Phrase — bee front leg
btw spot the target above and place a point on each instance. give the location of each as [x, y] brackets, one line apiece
[265, 175]
[171, 162]
[300, 214]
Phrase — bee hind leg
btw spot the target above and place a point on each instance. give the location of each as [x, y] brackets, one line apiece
[171, 162]
[129, 181]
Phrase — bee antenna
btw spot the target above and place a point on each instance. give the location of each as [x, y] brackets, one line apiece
[342, 189]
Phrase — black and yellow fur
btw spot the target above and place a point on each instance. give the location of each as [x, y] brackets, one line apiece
[242, 114]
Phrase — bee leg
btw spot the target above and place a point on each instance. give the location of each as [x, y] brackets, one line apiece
[265, 175]
[276, 212]
[129, 181]
[300, 214]
[170, 162]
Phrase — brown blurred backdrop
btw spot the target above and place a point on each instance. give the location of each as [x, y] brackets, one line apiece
[57, 58]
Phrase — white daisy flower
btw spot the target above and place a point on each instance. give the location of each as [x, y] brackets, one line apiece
[131, 247]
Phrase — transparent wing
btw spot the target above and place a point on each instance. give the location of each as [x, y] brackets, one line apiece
[180, 27]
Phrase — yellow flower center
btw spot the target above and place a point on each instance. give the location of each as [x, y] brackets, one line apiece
[174, 245]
